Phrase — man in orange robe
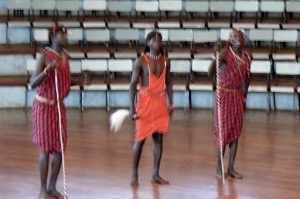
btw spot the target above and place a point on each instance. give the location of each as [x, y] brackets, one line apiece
[152, 112]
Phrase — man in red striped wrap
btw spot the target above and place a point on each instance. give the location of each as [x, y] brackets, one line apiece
[152, 70]
[45, 112]
[234, 63]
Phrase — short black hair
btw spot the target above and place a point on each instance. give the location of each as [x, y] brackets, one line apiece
[56, 29]
[149, 36]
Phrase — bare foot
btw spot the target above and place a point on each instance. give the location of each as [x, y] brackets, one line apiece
[134, 181]
[55, 194]
[235, 174]
[159, 180]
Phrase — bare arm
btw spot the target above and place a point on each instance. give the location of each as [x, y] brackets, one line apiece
[39, 74]
[169, 83]
[137, 69]
[247, 83]
[222, 59]
[41, 71]
[212, 69]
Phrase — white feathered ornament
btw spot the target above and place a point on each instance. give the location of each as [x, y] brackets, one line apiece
[117, 119]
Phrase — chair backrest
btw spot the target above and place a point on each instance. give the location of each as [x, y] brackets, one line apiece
[18, 35]
[170, 5]
[3, 7]
[31, 65]
[120, 65]
[201, 65]
[127, 34]
[196, 6]
[146, 6]
[292, 6]
[3, 33]
[260, 67]
[75, 66]
[41, 35]
[94, 65]
[75, 35]
[43, 4]
[93, 24]
[224, 34]
[18, 24]
[287, 68]
[120, 6]
[70, 24]
[97, 5]
[180, 66]
[221, 6]
[97, 35]
[76, 54]
[246, 6]
[18, 5]
[261, 35]
[68, 5]
[285, 35]
[205, 36]
[181, 35]
[272, 6]
[43, 24]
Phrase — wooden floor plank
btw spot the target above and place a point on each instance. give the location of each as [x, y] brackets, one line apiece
[98, 162]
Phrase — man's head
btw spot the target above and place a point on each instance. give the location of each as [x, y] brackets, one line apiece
[154, 42]
[58, 36]
[237, 38]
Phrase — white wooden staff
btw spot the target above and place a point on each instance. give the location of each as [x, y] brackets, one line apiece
[60, 136]
[219, 115]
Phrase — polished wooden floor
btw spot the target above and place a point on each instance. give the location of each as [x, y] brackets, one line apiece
[99, 162]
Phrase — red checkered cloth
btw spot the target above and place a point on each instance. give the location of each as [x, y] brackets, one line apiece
[45, 115]
[231, 98]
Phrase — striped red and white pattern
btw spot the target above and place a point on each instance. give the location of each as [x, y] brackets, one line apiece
[45, 116]
[232, 103]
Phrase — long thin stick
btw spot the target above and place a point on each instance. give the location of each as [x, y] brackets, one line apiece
[219, 116]
[60, 136]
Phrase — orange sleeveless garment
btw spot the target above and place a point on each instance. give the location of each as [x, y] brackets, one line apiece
[152, 106]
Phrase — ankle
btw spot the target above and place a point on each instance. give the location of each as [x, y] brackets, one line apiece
[233, 171]
[43, 189]
[135, 175]
[51, 188]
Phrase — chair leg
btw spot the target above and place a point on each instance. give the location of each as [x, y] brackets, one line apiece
[299, 102]
[186, 100]
[107, 101]
[82, 101]
[26, 99]
[274, 102]
[190, 100]
[294, 102]
[268, 102]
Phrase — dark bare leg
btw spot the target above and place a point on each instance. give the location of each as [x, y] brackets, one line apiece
[55, 168]
[157, 153]
[137, 151]
[44, 160]
[232, 154]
